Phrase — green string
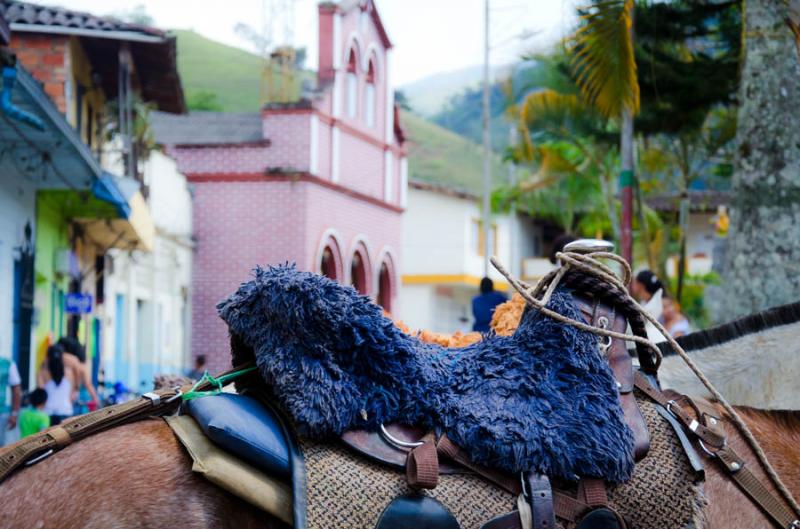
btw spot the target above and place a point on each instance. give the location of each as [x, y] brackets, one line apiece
[214, 381]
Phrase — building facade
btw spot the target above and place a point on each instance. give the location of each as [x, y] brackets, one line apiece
[443, 255]
[320, 181]
[83, 76]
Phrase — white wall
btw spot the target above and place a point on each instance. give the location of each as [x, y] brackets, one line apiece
[17, 207]
[156, 330]
[438, 236]
[439, 240]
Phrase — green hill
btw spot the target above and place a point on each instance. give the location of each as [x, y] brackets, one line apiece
[436, 155]
[232, 74]
[439, 156]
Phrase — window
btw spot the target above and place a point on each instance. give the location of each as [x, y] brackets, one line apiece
[369, 96]
[352, 86]
[385, 288]
[478, 234]
[358, 274]
[328, 266]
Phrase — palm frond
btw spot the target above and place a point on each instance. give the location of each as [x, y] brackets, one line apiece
[602, 57]
[540, 105]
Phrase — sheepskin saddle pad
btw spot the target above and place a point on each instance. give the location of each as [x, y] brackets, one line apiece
[543, 399]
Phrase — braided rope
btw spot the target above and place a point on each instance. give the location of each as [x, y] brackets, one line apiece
[588, 264]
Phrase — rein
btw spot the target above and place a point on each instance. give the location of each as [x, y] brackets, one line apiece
[587, 262]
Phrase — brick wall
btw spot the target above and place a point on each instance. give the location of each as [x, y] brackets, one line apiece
[238, 225]
[290, 139]
[222, 159]
[46, 57]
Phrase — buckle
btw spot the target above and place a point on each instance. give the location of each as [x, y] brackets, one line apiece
[154, 398]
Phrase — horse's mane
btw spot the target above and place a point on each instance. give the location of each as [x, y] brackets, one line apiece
[753, 323]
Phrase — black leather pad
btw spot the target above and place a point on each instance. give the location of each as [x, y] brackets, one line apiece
[416, 512]
[600, 519]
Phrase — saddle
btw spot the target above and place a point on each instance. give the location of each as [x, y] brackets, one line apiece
[547, 415]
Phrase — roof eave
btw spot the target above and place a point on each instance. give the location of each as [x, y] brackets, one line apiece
[130, 36]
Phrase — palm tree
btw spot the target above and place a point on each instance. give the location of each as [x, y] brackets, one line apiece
[762, 268]
[605, 69]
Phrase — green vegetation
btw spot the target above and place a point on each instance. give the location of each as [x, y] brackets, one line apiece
[439, 156]
[233, 75]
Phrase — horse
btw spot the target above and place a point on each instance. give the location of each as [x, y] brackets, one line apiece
[754, 360]
[138, 475]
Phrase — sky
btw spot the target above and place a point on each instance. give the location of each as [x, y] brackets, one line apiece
[430, 36]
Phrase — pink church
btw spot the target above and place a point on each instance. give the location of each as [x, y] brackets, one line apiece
[320, 182]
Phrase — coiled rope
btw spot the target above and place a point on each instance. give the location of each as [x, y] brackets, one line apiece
[588, 263]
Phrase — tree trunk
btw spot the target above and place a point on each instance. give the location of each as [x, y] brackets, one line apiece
[762, 267]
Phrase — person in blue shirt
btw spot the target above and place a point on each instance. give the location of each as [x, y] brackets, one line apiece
[483, 305]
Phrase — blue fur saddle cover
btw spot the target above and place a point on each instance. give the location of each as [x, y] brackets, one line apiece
[542, 399]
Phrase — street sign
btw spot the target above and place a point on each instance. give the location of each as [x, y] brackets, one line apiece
[77, 303]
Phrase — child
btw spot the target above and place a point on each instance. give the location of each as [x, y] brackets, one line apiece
[33, 419]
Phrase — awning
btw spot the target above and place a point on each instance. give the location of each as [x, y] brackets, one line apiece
[133, 228]
[63, 167]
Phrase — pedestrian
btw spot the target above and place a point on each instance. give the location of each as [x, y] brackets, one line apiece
[483, 305]
[10, 382]
[199, 369]
[646, 286]
[674, 321]
[75, 359]
[59, 381]
[33, 419]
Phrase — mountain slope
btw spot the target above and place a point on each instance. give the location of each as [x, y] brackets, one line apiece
[439, 156]
[232, 74]
[428, 95]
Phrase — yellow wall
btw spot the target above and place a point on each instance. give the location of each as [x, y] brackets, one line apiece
[93, 96]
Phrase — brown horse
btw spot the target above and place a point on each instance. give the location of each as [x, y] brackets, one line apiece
[138, 475]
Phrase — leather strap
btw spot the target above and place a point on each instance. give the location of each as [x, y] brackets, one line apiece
[37, 447]
[756, 490]
[540, 498]
[675, 406]
[714, 444]
[422, 465]
[446, 448]
[593, 492]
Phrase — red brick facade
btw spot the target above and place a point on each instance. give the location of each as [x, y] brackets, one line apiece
[46, 57]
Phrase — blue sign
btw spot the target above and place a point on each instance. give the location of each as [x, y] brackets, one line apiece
[77, 303]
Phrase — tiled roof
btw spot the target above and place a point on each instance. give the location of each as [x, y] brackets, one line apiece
[207, 128]
[47, 16]
[153, 50]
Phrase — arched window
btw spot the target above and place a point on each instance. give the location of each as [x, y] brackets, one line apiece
[369, 96]
[352, 85]
[358, 273]
[385, 288]
[330, 259]
[328, 265]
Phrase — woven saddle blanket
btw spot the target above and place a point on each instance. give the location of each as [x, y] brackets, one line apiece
[543, 399]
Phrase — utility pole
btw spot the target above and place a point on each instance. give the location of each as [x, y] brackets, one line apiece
[512, 230]
[487, 147]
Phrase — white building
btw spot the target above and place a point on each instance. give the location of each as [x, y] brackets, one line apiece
[147, 315]
[442, 257]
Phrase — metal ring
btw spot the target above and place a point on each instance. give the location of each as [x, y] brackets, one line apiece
[669, 407]
[706, 450]
[178, 394]
[397, 442]
[43, 455]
